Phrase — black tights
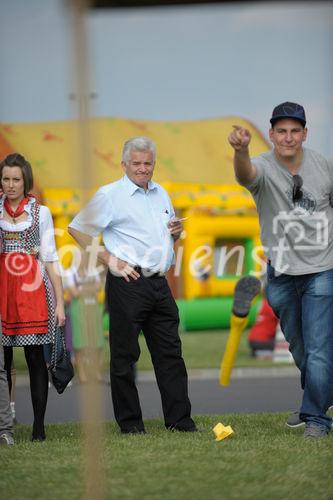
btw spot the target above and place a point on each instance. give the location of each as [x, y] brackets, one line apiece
[34, 356]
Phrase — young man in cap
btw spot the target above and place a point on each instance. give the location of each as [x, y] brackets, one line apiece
[292, 188]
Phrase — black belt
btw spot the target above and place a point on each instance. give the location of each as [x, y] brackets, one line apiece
[148, 273]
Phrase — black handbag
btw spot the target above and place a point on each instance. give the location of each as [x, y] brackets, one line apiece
[59, 361]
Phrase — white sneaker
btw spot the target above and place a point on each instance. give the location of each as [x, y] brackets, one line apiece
[6, 439]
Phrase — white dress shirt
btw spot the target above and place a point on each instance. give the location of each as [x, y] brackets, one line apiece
[133, 223]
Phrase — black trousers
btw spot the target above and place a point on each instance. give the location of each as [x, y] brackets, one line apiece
[146, 304]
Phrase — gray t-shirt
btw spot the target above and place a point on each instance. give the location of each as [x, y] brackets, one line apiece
[297, 237]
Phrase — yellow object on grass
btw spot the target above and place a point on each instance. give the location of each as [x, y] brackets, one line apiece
[221, 431]
[237, 325]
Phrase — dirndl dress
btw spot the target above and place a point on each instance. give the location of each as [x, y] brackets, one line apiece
[26, 299]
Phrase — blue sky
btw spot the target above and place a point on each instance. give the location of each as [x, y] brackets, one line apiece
[179, 63]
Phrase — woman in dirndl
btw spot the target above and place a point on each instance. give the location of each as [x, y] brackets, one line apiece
[29, 309]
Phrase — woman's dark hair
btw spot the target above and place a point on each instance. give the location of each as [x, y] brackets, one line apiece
[17, 160]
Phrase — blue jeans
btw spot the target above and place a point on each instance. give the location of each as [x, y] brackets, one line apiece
[304, 305]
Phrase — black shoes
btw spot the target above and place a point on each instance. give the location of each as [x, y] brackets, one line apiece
[38, 437]
[38, 434]
[173, 428]
[133, 430]
[179, 428]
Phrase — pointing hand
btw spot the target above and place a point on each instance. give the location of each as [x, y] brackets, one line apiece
[239, 138]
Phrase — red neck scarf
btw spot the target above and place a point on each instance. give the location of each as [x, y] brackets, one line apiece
[20, 209]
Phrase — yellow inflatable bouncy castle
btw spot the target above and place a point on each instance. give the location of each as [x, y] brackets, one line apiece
[220, 244]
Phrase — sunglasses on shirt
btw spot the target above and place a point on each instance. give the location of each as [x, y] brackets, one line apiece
[297, 188]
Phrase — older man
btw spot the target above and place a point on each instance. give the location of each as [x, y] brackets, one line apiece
[139, 227]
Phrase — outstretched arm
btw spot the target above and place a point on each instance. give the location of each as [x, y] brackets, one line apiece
[240, 139]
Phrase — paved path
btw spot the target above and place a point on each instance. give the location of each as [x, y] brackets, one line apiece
[250, 391]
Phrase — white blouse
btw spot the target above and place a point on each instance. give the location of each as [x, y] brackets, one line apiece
[48, 251]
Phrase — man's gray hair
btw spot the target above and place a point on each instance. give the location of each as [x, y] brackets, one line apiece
[138, 144]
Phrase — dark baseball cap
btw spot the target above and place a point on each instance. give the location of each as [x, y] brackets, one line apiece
[288, 110]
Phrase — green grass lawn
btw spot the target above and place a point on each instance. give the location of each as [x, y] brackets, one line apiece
[202, 349]
[264, 460]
